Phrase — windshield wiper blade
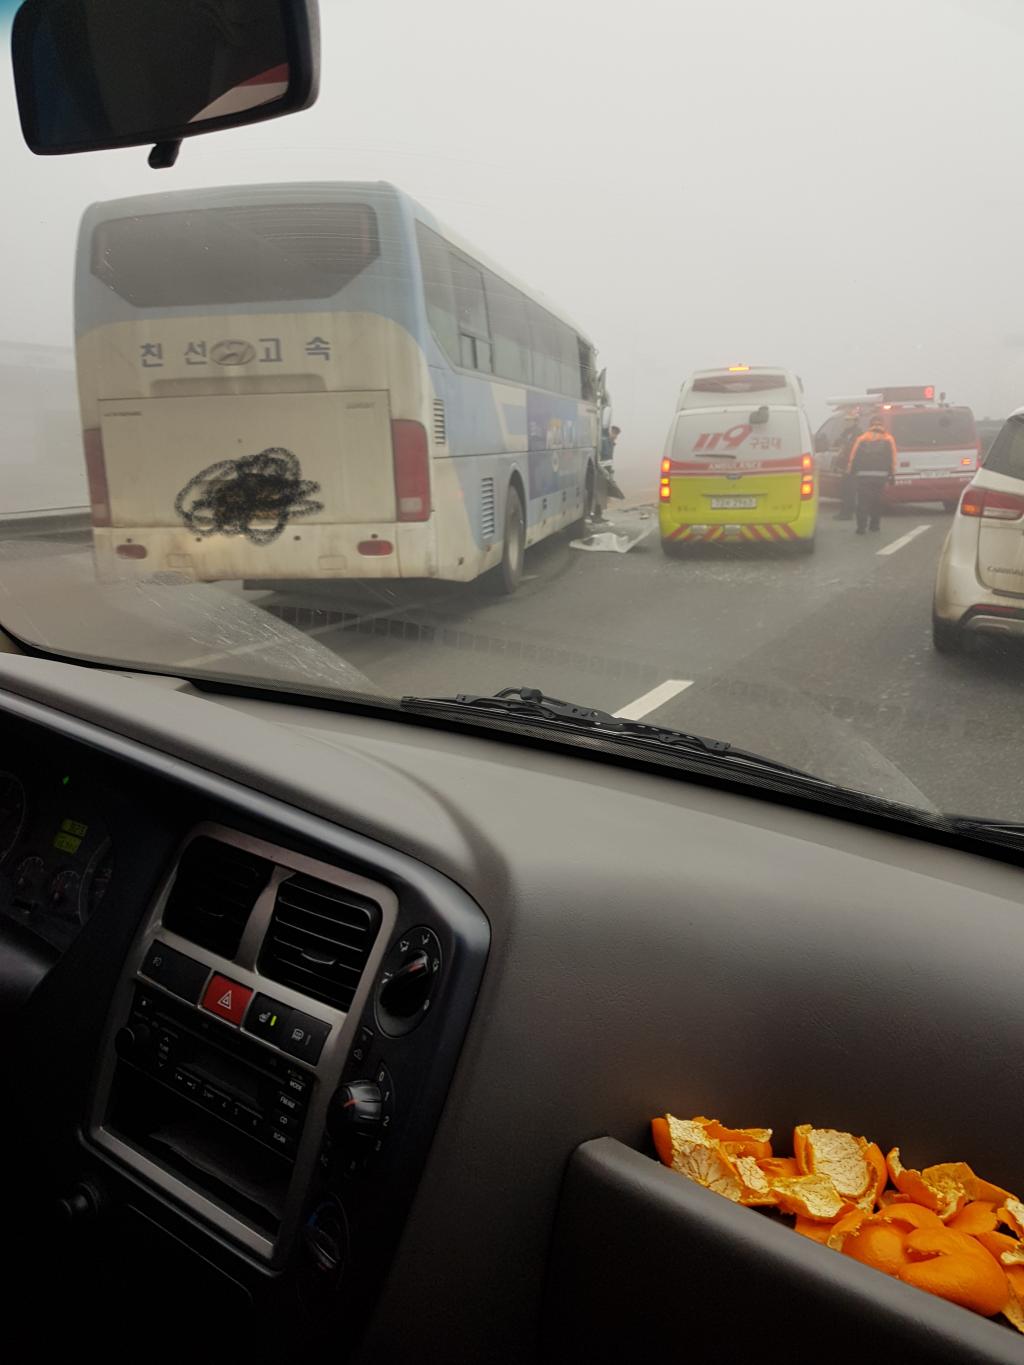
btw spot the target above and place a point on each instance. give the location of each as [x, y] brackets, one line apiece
[530, 704]
[1007, 831]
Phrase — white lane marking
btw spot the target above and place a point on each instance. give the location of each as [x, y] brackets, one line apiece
[903, 540]
[650, 701]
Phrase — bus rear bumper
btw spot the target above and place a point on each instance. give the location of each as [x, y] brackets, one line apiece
[301, 553]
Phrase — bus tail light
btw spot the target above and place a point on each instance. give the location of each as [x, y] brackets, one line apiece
[412, 469]
[991, 505]
[96, 476]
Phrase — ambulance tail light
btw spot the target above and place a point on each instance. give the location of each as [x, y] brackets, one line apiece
[991, 505]
[412, 470]
[806, 477]
[96, 476]
[664, 485]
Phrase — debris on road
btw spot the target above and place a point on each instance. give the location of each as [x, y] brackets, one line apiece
[619, 540]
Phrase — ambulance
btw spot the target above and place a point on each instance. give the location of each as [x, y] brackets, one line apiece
[937, 443]
[738, 465]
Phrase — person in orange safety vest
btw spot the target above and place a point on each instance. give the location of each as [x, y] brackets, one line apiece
[872, 466]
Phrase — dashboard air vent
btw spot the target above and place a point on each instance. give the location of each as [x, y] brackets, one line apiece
[214, 892]
[319, 939]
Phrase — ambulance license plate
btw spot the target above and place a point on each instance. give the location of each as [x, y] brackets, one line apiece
[726, 504]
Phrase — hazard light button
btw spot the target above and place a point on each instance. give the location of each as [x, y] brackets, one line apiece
[227, 999]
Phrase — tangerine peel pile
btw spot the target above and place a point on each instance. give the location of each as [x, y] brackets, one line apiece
[943, 1229]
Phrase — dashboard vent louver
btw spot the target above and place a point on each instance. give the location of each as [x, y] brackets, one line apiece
[319, 939]
[214, 891]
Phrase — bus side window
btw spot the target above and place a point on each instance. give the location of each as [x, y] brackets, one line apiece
[569, 356]
[510, 329]
[471, 314]
[438, 291]
[588, 376]
[547, 363]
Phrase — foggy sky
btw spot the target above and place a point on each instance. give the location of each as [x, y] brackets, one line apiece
[830, 186]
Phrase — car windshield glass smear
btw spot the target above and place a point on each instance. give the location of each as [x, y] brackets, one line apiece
[447, 385]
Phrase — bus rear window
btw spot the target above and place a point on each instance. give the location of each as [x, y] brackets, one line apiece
[934, 429]
[245, 254]
[740, 383]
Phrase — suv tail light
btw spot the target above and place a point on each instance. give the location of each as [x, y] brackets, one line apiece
[990, 504]
[412, 469]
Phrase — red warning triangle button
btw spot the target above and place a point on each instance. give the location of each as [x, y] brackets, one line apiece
[226, 999]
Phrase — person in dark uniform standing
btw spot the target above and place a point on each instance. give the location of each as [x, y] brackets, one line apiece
[872, 466]
[847, 488]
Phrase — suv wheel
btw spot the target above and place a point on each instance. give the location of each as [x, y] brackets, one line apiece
[947, 637]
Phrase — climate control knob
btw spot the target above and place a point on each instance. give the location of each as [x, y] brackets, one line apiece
[355, 1108]
[132, 1042]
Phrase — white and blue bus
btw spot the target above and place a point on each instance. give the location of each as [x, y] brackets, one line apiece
[310, 381]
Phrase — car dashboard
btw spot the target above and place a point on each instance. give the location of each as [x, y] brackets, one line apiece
[336, 1034]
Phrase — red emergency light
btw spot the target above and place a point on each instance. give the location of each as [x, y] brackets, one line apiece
[905, 393]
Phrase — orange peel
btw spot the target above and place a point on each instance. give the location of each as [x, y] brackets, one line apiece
[995, 1243]
[977, 1216]
[838, 1155]
[757, 1188]
[755, 1142]
[880, 1176]
[879, 1245]
[956, 1267]
[1012, 1215]
[908, 1215]
[702, 1159]
[943, 1188]
[662, 1139]
[810, 1196]
[817, 1232]
[846, 1226]
[775, 1167]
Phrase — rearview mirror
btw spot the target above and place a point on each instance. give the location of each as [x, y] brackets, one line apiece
[96, 74]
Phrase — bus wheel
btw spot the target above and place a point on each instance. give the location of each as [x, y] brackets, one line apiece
[509, 572]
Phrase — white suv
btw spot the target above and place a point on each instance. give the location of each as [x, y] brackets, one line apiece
[979, 588]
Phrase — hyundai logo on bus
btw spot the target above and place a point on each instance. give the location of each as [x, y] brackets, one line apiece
[233, 352]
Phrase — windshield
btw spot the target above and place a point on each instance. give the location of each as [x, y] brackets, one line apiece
[484, 371]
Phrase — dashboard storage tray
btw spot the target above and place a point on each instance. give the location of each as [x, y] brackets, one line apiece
[645, 1261]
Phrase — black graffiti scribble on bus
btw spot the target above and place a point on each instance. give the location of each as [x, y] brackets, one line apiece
[229, 496]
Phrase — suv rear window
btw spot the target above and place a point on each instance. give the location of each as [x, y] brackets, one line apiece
[934, 429]
[249, 254]
[1007, 453]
